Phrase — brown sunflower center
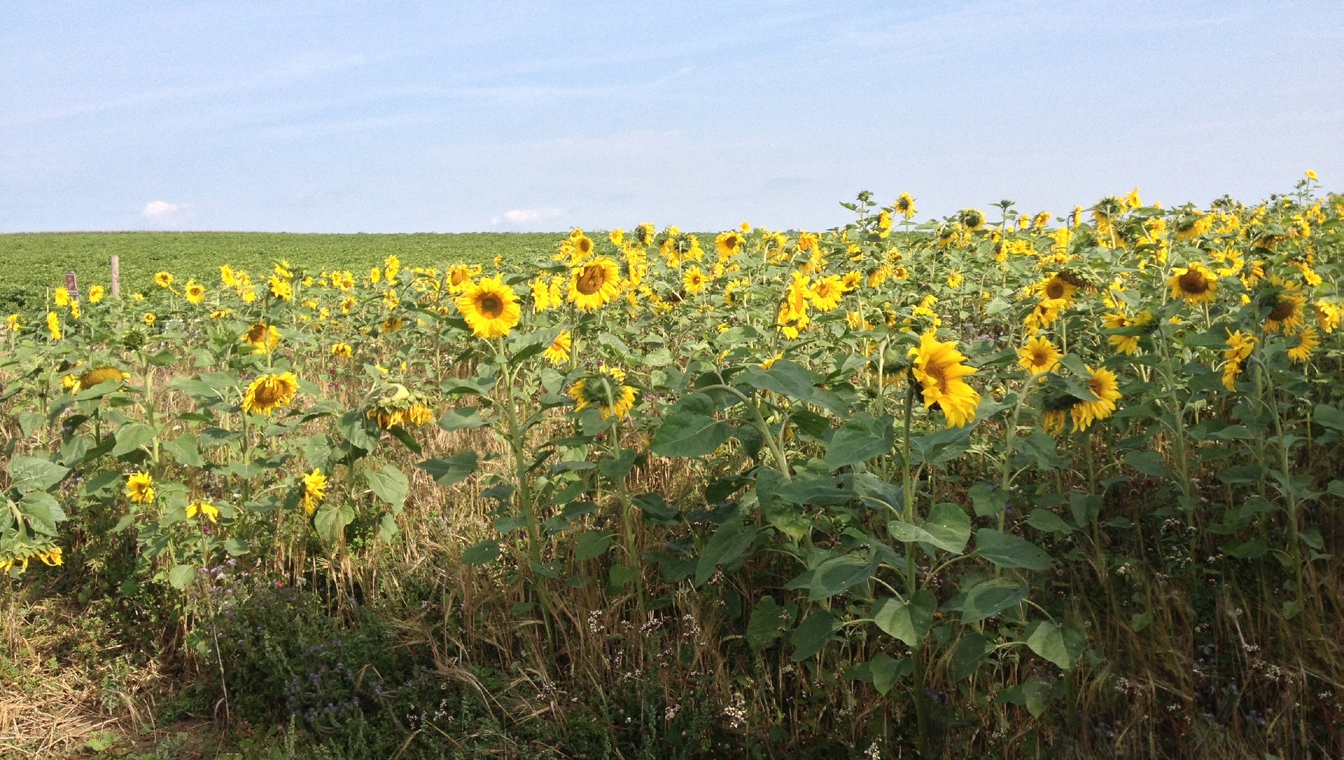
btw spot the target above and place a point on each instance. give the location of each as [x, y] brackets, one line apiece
[1283, 309]
[491, 306]
[1194, 283]
[591, 280]
[1055, 289]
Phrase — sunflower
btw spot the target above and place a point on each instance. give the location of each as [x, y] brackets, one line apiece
[99, 375]
[490, 307]
[262, 336]
[149, 319]
[955, 279]
[140, 488]
[270, 392]
[595, 284]
[342, 350]
[827, 293]
[1308, 340]
[905, 205]
[541, 295]
[1052, 422]
[1103, 384]
[418, 415]
[1058, 287]
[391, 266]
[694, 280]
[605, 390]
[96, 294]
[793, 315]
[391, 325]
[13, 323]
[558, 352]
[314, 489]
[195, 292]
[281, 288]
[1126, 343]
[939, 369]
[1043, 314]
[1039, 355]
[1288, 306]
[1328, 315]
[972, 218]
[1195, 284]
[53, 325]
[728, 243]
[883, 223]
[204, 509]
[1239, 347]
[163, 279]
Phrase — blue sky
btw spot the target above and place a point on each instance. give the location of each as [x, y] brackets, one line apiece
[448, 117]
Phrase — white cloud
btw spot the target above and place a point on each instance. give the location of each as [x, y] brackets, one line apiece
[165, 214]
[525, 216]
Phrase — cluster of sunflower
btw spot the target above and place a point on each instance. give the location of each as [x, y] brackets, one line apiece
[1117, 291]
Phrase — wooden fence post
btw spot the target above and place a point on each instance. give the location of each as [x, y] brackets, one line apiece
[116, 277]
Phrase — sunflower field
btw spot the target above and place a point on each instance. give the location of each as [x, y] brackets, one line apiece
[996, 485]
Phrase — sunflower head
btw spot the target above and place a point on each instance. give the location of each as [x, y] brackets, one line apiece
[606, 390]
[270, 392]
[140, 488]
[1195, 284]
[99, 375]
[1039, 355]
[594, 284]
[490, 307]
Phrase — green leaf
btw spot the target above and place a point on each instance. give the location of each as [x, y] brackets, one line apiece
[618, 468]
[622, 576]
[1328, 416]
[839, 574]
[186, 450]
[728, 544]
[907, 621]
[73, 450]
[390, 485]
[1241, 474]
[1084, 507]
[330, 522]
[1036, 692]
[690, 430]
[1009, 551]
[1045, 520]
[768, 622]
[886, 669]
[132, 436]
[987, 500]
[359, 430]
[591, 544]
[481, 552]
[236, 547]
[447, 472]
[1062, 645]
[1148, 463]
[463, 418]
[861, 438]
[797, 382]
[34, 474]
[948, 528]
[387, 527]
[42, 511]
[181, 576]
[967, 655]
[990, 597]
[811, 636]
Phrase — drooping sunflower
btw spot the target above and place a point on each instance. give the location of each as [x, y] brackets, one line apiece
[594, 284]
[972, 218]
[1126, 343]
[939, 367]
[490, 307]
[606, 390]
[1195, 284]
[694, 280]
[314, 490]
[793, 315]
[1308, 340]
[1039, 355]
[204, 509]
[262, 336]
[270, 392]
[1328, 315]
[54, 325]
[342, 350]
[1045, 313]
[140, 488]
[1103, 384]
[99, 375]
[558, 352]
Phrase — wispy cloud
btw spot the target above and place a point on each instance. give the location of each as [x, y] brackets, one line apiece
[520, 217]
[169, 215]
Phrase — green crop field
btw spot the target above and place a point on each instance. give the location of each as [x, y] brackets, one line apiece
[33, 263]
